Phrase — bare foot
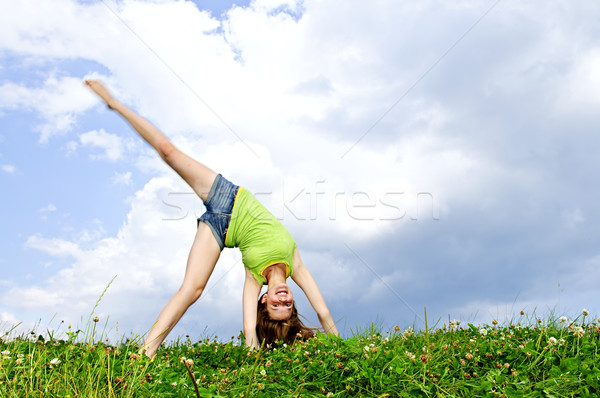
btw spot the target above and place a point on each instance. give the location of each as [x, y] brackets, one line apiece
[101, 91]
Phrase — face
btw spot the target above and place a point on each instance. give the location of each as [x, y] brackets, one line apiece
[279, 302]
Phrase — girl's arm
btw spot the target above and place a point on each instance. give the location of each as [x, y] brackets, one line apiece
[304, 279]
[249, 307]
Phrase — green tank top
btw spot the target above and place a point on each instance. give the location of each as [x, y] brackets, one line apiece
[262, 239]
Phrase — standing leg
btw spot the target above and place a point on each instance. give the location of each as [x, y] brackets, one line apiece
[202, 259]
[197, 175]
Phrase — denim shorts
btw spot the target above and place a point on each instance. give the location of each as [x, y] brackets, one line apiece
[219, 206]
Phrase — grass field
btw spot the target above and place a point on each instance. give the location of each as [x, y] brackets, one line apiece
[528, 357]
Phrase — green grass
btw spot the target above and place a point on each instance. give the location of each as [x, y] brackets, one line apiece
[527, 357]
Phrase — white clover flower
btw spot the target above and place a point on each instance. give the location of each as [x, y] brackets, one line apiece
[55, 361]
[174, 384]
[562, 319]
[366, 349]
[578, 332]
[552, 341]
[585, 312]
[483, 332]
[263, 372]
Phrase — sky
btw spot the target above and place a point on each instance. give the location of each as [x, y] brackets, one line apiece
[438, 156]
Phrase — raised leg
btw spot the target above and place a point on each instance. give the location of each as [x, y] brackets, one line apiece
[197, 175]
[201, 262]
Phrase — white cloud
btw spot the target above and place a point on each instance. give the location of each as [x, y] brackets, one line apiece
[573, 218]
[122, 178]
[9, 168]
[54, 247]
[49, 208]
[148, 255]
[581, 88]
[58, 101]
[35, 297]
[111, 144]
[70, 148]
[296, 94]
[6, 317]
[92, 235]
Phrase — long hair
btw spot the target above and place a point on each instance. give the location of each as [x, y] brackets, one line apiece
[284, 331]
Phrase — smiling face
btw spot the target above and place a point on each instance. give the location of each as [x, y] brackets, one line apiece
[279, 302]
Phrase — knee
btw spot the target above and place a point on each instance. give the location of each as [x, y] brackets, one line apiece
[190, 293]
[166, 150]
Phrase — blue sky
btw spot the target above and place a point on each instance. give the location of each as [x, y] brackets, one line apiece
[430, 154]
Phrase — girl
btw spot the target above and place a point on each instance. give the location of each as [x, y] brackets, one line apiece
[233, 218]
